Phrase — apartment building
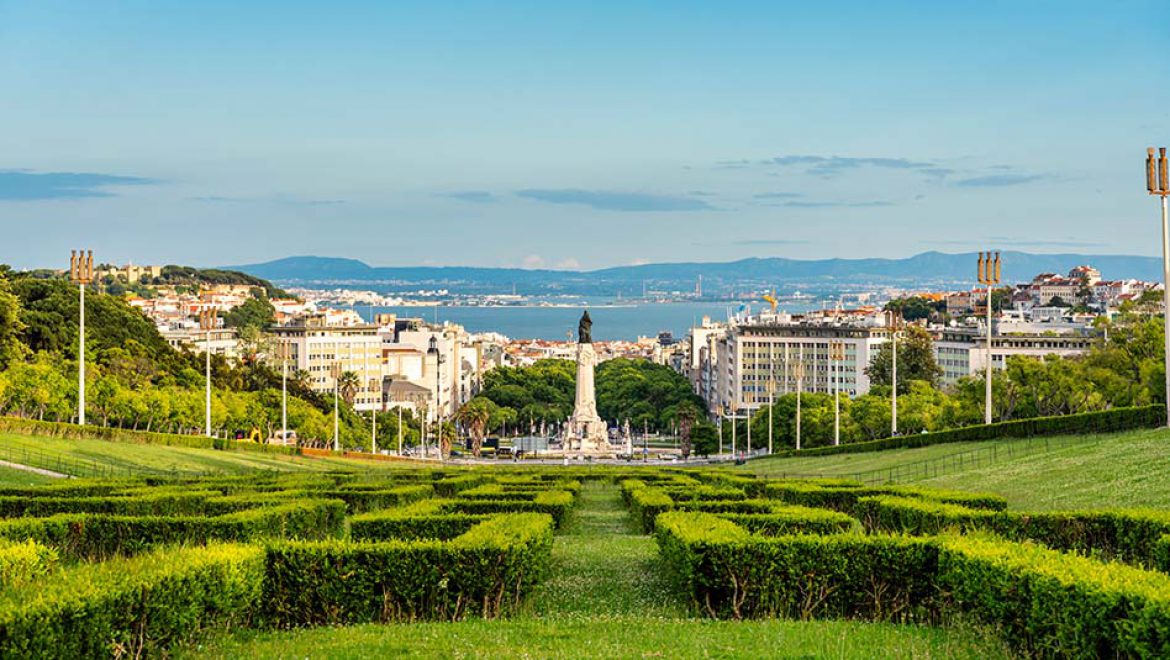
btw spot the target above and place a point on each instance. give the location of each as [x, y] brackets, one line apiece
[963, 351]
[317, 348]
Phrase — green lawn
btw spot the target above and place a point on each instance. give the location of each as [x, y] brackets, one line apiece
[607, 599]
[1130, 469]
[95, 457]
[12, 477]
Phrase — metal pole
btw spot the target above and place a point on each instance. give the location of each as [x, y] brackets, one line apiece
[836, 396]
[894, 379]
[207, 381]
[336, 435]
[399, 430]
[987, 405]
[734, 419]
[284, 393]
[1166, 301]
[81, 360]
[720, 432]
[799, 389]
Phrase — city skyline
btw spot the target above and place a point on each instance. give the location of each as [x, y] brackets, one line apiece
[575, 136]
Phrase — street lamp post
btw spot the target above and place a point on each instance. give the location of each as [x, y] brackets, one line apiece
[894, 320]
[798, 370]
[989, 275]
[771, 404]
[335, 371]
[206, 323]
[1158, 184]
[836, 355]
[81, 274]
[734, 420]
[434, 350]
[284, 351]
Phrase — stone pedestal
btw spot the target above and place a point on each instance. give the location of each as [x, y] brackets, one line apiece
[586, 432]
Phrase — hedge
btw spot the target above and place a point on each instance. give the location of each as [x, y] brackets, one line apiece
[703, 493]
[387, 525]
[1049, 603]
[1105, 421]
[783, 521]
[23, 561]
[111, 434]
[484, 572]
[1162, 554]
[132, 607]
[145, 505]
[646, 504]
[1131, 535]
[99, 536]
[750, 485]
[556, 503]
[727, 572]
[452, 485]
[360, 501]
[1044, 602]
[845, 498]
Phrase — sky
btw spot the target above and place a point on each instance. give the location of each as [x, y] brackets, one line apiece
[576, 134]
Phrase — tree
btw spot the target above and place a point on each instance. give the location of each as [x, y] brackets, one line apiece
[255, 313]
[348, 385]
[686, 420]
[704, 438]
[11, 348]
[474, 415]
[915, 361]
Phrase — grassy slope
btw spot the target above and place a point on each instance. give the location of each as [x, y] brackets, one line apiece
[1095, 471]
[12, 477]
[607, 599]
[80, 456]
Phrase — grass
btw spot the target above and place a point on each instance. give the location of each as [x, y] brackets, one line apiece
[607, 599]
[13, 477]
[1130, 469]
[99, 457]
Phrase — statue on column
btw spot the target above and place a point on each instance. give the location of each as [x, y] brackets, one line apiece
[585, 329]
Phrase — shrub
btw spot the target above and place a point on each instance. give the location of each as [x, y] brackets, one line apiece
[98, 536]
[1053, 604]
[145, 505]
[646, 504]
[727, 572]
[1162, 554]
[1105, 421]
[782, 521]
[703, 493]
[132, 607]
[360, 501]
[387, 525]
[23, 561]
[452, 485]
[554, 502]
[484, 572]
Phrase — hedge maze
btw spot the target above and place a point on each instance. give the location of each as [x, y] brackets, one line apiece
[121, 567]
[1074, 584]
[148, 566]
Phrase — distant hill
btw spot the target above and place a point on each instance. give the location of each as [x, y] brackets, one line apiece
[928, 268]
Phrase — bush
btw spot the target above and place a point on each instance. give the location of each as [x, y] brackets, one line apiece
[727, 572]
[845, 498]
[165, 504]
[646, 504]
[99, 536]
[1052, 604]
[703, 493]
[112, 434]
[1105, 421]
[387, 525]
[132, 607]
[360, 501]
[23, 561]
[452, 485]
[1130, 535]
[1162, 554]
[484, 572]
[555, 503]
[782, 521]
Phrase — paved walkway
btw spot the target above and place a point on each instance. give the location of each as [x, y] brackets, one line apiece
[35, 470]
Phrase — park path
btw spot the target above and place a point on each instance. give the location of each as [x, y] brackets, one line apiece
[602, 567]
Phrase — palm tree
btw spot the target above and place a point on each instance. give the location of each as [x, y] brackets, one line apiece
[348, 384]
[686, 420]
[475, 416]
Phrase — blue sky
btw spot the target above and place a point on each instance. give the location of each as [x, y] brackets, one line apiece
[576, 134]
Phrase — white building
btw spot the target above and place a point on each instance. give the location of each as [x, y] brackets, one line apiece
[324, 350]
[963, 351]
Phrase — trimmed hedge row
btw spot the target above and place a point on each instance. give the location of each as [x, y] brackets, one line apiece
[1105, 421]
[556, 503]
[99, 536]
[163, 504]
[845, 498]
[1045, 602]
[789, 520]
[23, 561]
[384, 526]
[361, 501]
[1135, 536]
[484, 572]
[75, 432]
[646, 504]
[693, 493]
[132, 607]
[727, 572]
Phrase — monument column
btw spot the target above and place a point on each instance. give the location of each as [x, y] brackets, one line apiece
[587, 431]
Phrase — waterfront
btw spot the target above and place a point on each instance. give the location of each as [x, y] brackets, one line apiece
[611, 322]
